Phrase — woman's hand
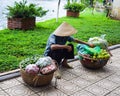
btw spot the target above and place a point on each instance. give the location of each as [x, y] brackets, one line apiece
[91, 45]
[69, 48]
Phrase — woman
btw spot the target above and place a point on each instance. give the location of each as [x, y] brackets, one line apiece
[56, 46]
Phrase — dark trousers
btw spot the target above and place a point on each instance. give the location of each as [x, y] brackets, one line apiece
[60, 54]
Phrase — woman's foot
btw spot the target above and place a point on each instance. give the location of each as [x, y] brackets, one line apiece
[57, 74]
[66, 65]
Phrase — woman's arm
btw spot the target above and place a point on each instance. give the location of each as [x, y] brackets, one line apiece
[82, 42]
[57, 46]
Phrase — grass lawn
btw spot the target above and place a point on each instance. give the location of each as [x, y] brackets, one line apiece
[15, 45]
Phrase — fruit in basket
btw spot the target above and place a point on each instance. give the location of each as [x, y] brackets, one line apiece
[95, 53]
[32, 69]
[102, 55]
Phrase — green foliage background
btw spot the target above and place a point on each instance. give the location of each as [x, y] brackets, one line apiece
[22, 10]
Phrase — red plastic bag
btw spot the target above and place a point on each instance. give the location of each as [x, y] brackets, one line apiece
[48, 69]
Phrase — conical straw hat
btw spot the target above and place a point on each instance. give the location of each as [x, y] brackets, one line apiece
[65, 30]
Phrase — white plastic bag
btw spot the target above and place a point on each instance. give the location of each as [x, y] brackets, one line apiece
[44, 61]
[99, 41]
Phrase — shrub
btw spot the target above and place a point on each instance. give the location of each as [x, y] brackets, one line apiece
[22, 10]
[74, 6]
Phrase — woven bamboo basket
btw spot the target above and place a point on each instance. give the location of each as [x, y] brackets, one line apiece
[93, 63]
[35, 80]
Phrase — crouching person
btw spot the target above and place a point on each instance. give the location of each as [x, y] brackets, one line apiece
[56, 46]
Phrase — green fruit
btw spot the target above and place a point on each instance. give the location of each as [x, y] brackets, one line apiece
[107, 56]
[94, 57]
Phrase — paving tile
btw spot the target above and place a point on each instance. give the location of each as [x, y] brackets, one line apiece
[58, 81]
[67, 75]
[117, 73]
[115, 50]
[41, 88]
[112, 94]
[2, 93]
[34, 95]
[75, 63]
[115, 54]
[115, 58]
[117, 91]
[9, 83]
[114, 78]
[82, 93]
[115, 64]
[80, 82]
[97, 90]
[51, 92]
[77, 71]
[82, 70]
[20, 79]
[68, 88]
[105, 72]
[114, 68]
[20, 90]
[90, 77]
[107, 84]
[51, 85]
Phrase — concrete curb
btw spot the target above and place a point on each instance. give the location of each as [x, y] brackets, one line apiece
[9, 75]
[16, 73]
[114, 47]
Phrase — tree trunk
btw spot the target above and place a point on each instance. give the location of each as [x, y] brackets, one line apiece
[58, 10]
[91, 3]
[116, 9]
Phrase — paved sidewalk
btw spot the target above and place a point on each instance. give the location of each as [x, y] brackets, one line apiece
[75, 82]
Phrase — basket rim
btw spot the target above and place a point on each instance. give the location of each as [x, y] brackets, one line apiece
[92, 59]
[39, 73]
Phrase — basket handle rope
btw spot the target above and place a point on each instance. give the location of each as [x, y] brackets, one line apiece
[56, 78]
[36, 78]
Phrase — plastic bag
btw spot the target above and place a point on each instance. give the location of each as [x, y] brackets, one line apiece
[81, 48]
[44, 61]
[84, 49]
[32, 69]
[93, 51]
[48, 69]
[99, 41]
